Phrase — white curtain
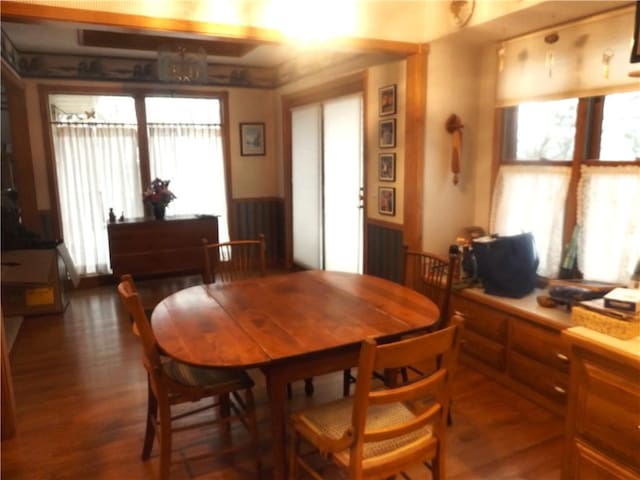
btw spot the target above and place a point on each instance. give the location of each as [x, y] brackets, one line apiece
[609, 220]
[532, 199]
[191, 157]
[97, 168]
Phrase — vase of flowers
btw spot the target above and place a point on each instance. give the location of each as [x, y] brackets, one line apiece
[159, 197]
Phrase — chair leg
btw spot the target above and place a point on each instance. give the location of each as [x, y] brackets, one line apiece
[289, 391]
[225, 412]
[308, 386]
[150, 431]
[165, 440]
[252, 422]
[294, 445]
[346, 382]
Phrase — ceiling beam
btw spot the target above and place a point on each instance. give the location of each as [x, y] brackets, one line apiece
[19, 11]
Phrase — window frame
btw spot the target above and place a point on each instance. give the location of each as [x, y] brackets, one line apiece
[139, 95]
[587, 140]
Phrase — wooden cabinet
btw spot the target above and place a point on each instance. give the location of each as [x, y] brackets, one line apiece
[603, 421]
[145, 247]
[518, 343]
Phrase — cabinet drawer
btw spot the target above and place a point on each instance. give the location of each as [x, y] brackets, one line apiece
[483, 320]
[540, 344]
[589, 464]
[608, 407]
[540, 377]
[484, 350]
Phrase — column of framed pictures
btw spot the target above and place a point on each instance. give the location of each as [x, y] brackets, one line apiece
[386, 159]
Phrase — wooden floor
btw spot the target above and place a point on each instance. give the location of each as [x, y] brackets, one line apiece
[80, 391]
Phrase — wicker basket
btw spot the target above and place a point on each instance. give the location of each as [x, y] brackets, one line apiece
[624, 329]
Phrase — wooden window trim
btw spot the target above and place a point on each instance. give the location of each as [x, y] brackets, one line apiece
[143, 144]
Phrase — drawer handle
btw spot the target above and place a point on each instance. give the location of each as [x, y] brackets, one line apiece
[562, 356]
[559, 389]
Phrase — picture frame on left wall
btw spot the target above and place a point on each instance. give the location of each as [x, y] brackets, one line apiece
[252, 141]
[387, 201]
[387, 133]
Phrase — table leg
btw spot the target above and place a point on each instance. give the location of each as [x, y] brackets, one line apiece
[276, 389]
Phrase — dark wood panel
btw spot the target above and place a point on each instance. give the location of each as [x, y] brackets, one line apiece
[384, 252]
[251, 217]
[148, 247]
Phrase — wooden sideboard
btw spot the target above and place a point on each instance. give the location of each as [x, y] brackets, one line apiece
[149, 247]
[603, 421]
[518, 343]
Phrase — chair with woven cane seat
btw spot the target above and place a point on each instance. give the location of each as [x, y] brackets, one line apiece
[171, 383]
[234, 260]
[379, 433]
[432, 276]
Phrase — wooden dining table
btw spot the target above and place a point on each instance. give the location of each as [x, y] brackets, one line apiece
[291, 326]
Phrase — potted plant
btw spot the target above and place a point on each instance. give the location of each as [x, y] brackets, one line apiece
[159, 197]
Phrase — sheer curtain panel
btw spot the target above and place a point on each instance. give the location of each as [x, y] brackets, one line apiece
[531, 199]
[191, 156]
[97, 168]
[609, 217]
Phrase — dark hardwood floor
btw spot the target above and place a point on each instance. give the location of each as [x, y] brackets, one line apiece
[80, 391]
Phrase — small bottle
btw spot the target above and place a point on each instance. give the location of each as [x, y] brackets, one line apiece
[112, 216]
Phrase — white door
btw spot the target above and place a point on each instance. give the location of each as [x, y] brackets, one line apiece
[327, 184]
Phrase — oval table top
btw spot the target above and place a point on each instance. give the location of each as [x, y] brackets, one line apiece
[262, 320]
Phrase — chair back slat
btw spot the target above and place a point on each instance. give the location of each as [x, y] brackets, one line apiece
[432, 276]
[133, 305]
[420, 404]
[232, 261]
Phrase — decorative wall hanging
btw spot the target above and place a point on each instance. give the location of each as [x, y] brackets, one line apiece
[387, 133]
[454, 127]
[387, 167]
[387, 201]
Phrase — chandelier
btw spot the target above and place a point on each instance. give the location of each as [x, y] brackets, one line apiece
[178, 65]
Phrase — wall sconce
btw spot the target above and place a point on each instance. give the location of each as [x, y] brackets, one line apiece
[607, 55]
[178, 65]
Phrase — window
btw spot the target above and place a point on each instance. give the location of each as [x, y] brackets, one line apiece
[98, 166]
[537, 190]
[546, 130]
[185, 146]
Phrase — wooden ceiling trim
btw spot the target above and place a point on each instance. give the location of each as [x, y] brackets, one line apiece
[18, 11]
[139, 41]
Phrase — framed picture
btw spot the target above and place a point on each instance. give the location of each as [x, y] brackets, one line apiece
[252, 139]
[387, 100]
[387, 133]
[387, 167]
[387, 200]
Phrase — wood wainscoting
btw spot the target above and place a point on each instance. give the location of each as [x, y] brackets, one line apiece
[384, 250]
[253, 216]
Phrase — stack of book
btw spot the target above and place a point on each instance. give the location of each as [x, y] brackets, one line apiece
[616, 314]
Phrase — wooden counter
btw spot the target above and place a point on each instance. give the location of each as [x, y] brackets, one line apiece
[518, 343]
[603, 420]
[148, 247]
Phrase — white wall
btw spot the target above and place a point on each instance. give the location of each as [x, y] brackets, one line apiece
[453, 86]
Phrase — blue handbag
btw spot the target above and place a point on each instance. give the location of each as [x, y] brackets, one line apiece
[507, 265]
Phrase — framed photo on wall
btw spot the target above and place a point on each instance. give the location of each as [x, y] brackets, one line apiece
[252, 139]
[387, 201]
[387, 100]
[387, 167]
[387, 133]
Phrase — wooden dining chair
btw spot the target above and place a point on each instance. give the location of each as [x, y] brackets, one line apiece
[234, 260]
[432, 276]
[171, 383]
[378, 433]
